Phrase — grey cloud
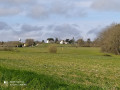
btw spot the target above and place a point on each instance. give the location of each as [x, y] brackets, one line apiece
[66, 28]
[61, 7]
[27, 30]
[38, 12]
[94, 31]
[106, 5]
[70, 10]
[43, 32]
[15, 1]
[9, 11]
[7, 36]
[41, 9]
[64, 8]
[6, 31]
[15, 7]
[50, 27]
[31, 28]
[76, 25]
[4, 26]
[62, 31]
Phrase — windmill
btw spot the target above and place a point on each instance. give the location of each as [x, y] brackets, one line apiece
[20, 39]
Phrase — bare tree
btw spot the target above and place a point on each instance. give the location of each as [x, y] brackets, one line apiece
[96, 42]
[80, 42]
[88, 43]
[110, 39]
[29, 42]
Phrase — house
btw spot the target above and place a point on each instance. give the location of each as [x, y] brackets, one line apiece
[67, 41]
[62, 42]
[50, 40]
[24, 45]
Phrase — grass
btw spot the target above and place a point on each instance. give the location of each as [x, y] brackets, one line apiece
[36, 81]
[70, 68]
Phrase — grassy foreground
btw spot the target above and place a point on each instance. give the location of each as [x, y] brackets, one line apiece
[69, 69]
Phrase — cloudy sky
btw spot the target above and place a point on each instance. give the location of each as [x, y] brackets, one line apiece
[41, 19]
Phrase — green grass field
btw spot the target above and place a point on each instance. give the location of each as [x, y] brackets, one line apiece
[71, 68]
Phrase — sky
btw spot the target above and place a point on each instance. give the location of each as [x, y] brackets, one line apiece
[42, 19]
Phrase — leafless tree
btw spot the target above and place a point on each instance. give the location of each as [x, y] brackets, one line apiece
[29, 42]
[80, 42]
[110, 39]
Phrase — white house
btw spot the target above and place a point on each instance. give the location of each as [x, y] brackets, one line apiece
[50, 40]
[66, 42]
[47, 41]
[24, 45]
[62, 42]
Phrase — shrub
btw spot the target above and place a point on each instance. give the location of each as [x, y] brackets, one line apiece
[107, 55]
[13, 44]
[52, 49]
[7, 49]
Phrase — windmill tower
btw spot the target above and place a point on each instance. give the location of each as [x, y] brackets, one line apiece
[19, 39]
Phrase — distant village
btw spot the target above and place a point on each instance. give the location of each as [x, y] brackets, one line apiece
[32, 42]
[67, 41]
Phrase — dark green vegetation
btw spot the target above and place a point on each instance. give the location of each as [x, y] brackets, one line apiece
[71, 68]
